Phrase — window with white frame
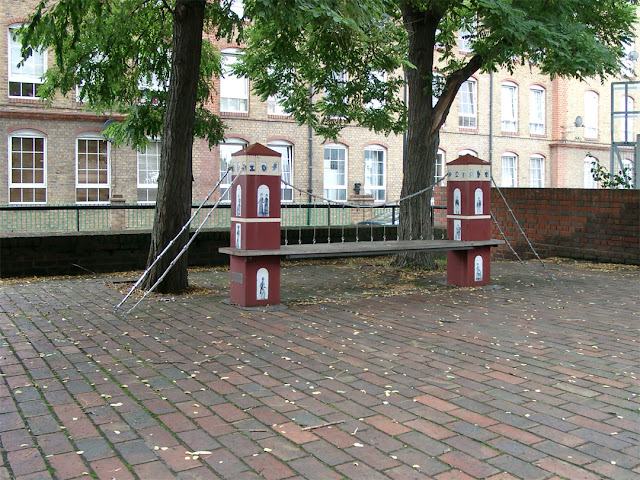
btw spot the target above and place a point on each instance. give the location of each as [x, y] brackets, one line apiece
[464, 41]
[591, 114]
[376, 79]
[589, 165]
[536, 171]
[234, 90]
[338, 81]
[285, 149]
[509, 170]
[537, 110]
[274, 107]
[627, 63]
[509, 112]
[148, 171]
[24, 78]
[437, 87]
[375, 165]
[626, 122]
[335, 172]
[237, 7]
[461, 153]
[228, 148]
[440, 163]
[468, 104]
[93, 176]
[627, 171]
[27, 167]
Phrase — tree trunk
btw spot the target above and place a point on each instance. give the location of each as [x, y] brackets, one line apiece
[173, 206]
[422, 139]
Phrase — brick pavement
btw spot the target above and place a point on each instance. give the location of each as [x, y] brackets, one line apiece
[404, 378]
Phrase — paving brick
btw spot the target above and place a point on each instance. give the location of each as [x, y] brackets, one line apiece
[468, 464]
[154, 471]
[430, 429]
[295, 433]
[558, 418]
[177, 458]
[426, 464]
[269, 467]
[625, 458]
[310, 467]
[564, 453]
[518, 468]
[16, 440]
[454, 475]
[515, 433]
[25, 461]
[68, 465]
[225, 463]
[359, 470]
[471, 447]
[564, 469]
[327, 453]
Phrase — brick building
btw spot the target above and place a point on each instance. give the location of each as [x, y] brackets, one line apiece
[524, 123]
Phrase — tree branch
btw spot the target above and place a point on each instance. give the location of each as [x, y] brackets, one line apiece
[451, 87]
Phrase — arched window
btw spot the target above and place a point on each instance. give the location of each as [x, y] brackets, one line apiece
[27, 167]
[467, 152]
[335, 172]
[375, 170]
[227, 148]
[537, 110]
[628, 172]
[536, 171]
[509, 112]
[234, 90]
[285, 149]
[591, 114]
[93, 169]
[589, 164]
[509, 169]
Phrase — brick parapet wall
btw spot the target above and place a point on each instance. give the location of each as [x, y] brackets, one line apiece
[599, 225]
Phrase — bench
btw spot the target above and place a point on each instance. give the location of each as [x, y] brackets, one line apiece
[360, 249]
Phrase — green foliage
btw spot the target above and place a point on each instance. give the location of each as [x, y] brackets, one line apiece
[333, 51]
[118, 55]
[296, 48]
[607, 179]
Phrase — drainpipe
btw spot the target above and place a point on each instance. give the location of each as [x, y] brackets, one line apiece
[310, 150]
[491, 124]
[404, 133]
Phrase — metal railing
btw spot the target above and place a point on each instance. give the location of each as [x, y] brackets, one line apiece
[16, 219]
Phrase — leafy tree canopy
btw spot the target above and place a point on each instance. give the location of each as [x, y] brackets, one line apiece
[300, 47]
[118, 54]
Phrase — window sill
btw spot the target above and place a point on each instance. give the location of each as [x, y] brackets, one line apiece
[468, 129]
[279, 117]
[510, 134]
[538, 135]
[26, 100]
[235, 114]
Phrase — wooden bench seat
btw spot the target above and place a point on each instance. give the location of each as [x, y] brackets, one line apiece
[361, 249]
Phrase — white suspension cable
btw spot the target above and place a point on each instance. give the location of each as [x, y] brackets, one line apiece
[507, 242]
[182, 251]
[521, 230]
[170, 244]
[377, 205]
